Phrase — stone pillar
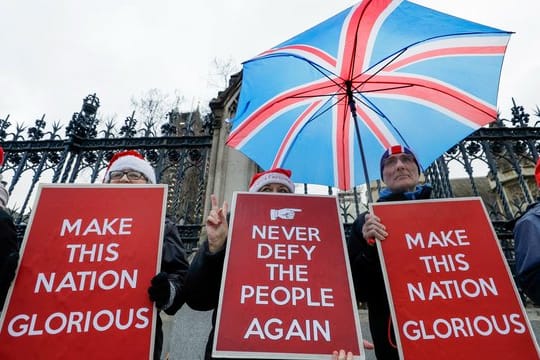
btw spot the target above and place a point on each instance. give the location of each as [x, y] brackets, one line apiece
[229, 169]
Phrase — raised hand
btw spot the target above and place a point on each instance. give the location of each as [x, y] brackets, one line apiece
[217, 226]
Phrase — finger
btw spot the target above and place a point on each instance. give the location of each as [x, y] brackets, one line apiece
[341, 355]
[213, 198]
[210, 221]
[334, 355]
[379, 233]
[373, 235]
[349, 356]
[213, 218]
[225, 208]
[374, 230]
[374, 222]
[220, 216]
[369, 232]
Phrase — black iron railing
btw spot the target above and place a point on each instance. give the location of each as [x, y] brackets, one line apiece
[178, 149]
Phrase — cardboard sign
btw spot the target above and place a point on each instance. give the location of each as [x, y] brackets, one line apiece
[286, 290]
[450, 287]
[87, 259]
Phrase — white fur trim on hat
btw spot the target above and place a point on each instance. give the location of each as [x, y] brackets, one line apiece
[272, 178]
[133, 163]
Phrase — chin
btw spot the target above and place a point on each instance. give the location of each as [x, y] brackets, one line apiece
[404, 187]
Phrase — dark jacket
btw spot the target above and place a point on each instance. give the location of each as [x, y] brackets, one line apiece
[9, 254]
[175, 264]
[527, 247]
[203, 285]
[369, 281]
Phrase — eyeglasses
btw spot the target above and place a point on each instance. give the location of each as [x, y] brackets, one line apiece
[131, 175]
[404, 158]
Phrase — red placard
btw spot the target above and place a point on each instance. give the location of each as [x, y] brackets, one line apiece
[451, 291]
[286, 292]
[81, 288]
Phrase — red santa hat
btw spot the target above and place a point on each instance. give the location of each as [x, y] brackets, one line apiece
[537, 173]
[130, 159]
[272, 176]
[1, 156]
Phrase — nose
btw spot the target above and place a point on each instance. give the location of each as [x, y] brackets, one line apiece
[124, 178]
[400, 163]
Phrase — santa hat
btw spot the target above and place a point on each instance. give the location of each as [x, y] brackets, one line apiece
[272, 176]
[1, 156]
[537, 173]
[395, 150]
[130, 159]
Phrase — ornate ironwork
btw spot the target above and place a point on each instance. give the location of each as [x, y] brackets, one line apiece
[499, 163]
[39, 154]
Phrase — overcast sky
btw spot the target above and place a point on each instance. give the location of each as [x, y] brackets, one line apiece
[54, 53]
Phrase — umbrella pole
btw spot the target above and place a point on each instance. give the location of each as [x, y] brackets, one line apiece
[352, 107]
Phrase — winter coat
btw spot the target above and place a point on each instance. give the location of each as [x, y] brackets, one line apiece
[9, 254]
[203, 285]
[175, 264]
[527, 248]
[368, 278]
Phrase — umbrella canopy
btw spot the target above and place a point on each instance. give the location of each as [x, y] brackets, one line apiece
[329, 101]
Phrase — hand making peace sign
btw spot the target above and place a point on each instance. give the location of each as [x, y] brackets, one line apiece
[217, 226]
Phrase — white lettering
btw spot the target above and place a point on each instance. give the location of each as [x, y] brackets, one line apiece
[275, 329]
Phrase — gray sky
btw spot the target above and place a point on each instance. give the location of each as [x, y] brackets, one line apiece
[54, 52]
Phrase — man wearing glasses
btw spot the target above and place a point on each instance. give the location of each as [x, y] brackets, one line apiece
[166, 290]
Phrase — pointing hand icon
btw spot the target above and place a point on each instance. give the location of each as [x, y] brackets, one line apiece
[286, 213]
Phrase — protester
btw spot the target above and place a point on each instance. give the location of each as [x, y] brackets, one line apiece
[400, 172]
[9, 246]
[204, 276]
[167, 287]
[206, 269]
[527, 247]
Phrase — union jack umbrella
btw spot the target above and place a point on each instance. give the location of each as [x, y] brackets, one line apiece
[329, 101]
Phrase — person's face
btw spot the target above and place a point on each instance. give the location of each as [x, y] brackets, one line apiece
[400, 173]
[127, 176]
[274, 187]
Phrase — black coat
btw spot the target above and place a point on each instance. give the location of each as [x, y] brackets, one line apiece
[9, 254]
[369, 283]
[203, 284]
[175, 264]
